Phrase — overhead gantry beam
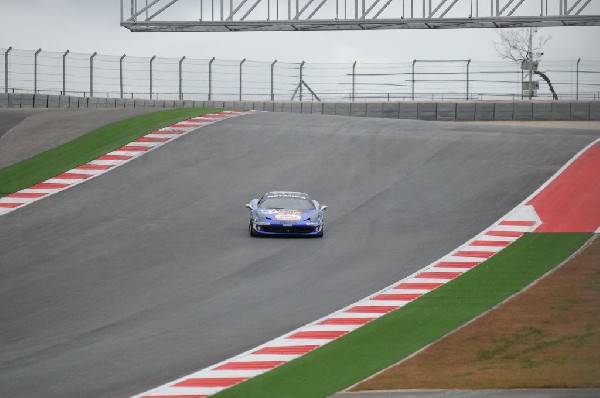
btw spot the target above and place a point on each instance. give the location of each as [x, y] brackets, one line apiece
[305, 15]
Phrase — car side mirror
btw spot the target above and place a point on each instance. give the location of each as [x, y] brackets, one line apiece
[249, 206]
[323, 208]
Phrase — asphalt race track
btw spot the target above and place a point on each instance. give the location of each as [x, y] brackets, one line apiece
[148, 272]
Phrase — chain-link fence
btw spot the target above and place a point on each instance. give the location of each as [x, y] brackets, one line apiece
[37, 71]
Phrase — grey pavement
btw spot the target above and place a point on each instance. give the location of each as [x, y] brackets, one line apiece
[148, 273]
[27, 132]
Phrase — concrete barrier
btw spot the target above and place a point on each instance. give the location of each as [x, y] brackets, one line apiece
[595, 110]
[390, 110]
[92, 102]
[342, 108]
[504, 111]
[580, 111]
[53, 101]
[523, 111]
[14, 100]
[446, 112]
[27, 100]
[316, 108]
[111, 103]
[465, 111]
[41, 101]
[542, 111]
[441, 111]
[426, 111]
[64, 101]
[358, 109]
[561, 111]
[328, 108]
[484, 111]
[408, 110]
[374, 109]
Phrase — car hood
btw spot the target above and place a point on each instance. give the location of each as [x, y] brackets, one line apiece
[288, 215]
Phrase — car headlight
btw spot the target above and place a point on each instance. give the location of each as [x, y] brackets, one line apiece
[317, 217]
[260, 218]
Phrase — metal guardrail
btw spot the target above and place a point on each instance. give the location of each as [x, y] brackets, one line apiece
[124, 76]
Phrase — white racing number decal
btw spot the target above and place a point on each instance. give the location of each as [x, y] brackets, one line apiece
[288, 216]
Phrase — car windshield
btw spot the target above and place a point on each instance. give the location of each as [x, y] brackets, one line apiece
[286, 203]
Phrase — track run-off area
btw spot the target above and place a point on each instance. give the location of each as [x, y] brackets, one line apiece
[147, 273]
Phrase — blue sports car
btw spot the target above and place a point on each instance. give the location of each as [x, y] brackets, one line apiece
[286, 213]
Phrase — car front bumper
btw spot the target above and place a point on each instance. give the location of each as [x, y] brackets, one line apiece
[297, 229]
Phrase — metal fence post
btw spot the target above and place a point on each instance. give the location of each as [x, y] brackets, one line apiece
[577, 84]
[273, 81]
[121, 75]
[6, 69]
[151, 61]
[413, 79]
[241, 63]
[92, 74]
[210, 78]
[64, 72]
[468, 63]
[35, 68]
[301, 79]
[353, 80]
[181, 78]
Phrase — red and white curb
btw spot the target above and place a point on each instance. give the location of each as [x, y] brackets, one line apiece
[281, 350]
[109, 161]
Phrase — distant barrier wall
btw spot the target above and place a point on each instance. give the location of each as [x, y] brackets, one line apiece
[440, 111]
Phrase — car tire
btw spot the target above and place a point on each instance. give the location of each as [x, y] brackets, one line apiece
[251, 230]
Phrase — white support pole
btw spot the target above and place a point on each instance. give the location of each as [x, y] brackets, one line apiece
[6, 69]
[181, 78]
[301, 79]
[273, 80]
[35, 69]
[210, 78]
[151, 62]
[241, 63]
[64, 73]
[121, 75]
[92, 73]
[353, 80]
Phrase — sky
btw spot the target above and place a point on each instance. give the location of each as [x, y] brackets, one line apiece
[93, 25]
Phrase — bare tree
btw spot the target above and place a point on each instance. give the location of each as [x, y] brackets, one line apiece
[514, 45]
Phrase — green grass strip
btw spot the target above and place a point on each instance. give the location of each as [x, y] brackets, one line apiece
[394, 336]
[88, 147]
